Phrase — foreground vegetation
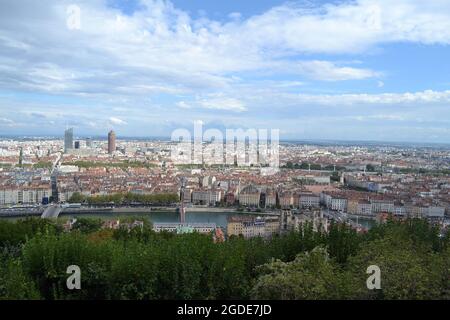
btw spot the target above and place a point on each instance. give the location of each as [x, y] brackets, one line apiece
[140, 264]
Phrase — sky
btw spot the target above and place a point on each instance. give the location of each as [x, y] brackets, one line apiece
[374, 70]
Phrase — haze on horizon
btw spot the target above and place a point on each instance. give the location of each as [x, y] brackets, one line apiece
[346, 70]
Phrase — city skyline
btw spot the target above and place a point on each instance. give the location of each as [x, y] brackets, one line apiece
[104, 136]
[348, 70]
[213, 153]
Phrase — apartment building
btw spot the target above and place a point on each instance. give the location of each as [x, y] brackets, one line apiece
[27, 195]
[309, 200]
[313, 217]
[338, 204]
[286, 199]
[399, 209]
[230, 198]
[249, 227]
[200, 197]
[180, 228]
[334, 201]
[250, 196]
[271, 198]
[9, 196]
[206, 197]
[364, 208]
[382, 205]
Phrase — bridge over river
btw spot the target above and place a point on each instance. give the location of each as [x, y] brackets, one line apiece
[52, 211]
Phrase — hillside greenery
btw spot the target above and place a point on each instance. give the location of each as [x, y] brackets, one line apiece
[140, 264]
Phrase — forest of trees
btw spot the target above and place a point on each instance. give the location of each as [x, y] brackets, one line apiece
[141, 264]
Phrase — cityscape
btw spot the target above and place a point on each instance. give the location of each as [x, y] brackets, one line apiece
[197, 151]
[319, 183]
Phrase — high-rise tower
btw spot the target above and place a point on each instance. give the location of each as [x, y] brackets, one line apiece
[111, 142]
[68, 139]
[21, 157]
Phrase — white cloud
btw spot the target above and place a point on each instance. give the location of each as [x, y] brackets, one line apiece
[235, 15]
[350, 26]
[282, 100]
[287, 84]
[258, 62]
[117, 121]
[407, 98]
[120, 109]
[161, 49]
[183, 105]
[384, 117]
[222, 103]
[7, 122]
[328, 71]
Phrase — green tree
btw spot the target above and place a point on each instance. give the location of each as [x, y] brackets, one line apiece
[312, 275]
[342, 242]
[77, 198]
[407, 272]
[15, 284]
[87, 225]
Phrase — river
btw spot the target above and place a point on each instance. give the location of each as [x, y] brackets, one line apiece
[219, 218]
[367, 223]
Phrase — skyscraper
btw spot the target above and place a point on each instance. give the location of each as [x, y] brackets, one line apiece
[21, 157]
[77, 144]
[111, 142]
[68, 139]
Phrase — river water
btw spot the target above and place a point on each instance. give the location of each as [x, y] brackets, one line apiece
[365, 222]
[219, 218]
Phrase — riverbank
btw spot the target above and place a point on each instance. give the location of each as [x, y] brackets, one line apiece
[20, 214]
[219, 218]
[131, 210]
[170, 209]
[355, 216]
[366, 221]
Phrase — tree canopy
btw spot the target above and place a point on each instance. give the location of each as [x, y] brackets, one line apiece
[139, 263]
